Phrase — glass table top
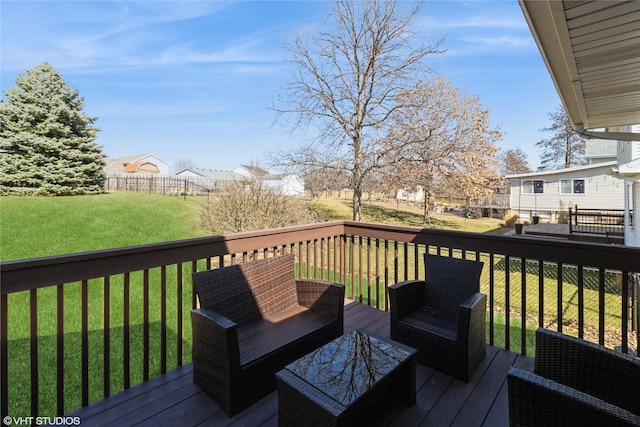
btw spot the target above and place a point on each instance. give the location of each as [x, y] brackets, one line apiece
[348, 366]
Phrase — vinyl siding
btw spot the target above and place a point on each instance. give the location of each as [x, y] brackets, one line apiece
[602, 191]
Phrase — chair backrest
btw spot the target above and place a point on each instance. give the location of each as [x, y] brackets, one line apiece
[591, 368]
[249, 291]
[450, 281]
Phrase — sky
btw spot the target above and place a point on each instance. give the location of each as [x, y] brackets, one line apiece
[195, 80]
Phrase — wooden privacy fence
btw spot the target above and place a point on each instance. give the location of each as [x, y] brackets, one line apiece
[162, 184]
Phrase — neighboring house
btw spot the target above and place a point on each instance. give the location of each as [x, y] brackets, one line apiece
[291, 185]
[548, 193]
[212, 174]
[628, 171]
[141, 167]
[140, 163]
[209, 178]
[600, 150]
[250, 171]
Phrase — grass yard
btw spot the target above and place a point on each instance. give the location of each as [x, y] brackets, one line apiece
[33, 227]
[390, 213]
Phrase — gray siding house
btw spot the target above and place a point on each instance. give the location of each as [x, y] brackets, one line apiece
[549, 193]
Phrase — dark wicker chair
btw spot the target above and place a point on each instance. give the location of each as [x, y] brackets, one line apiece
[444, 316]
[254, 319]
[575, 383]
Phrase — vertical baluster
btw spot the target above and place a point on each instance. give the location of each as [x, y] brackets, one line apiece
[405, 258]
[106, 321]
[352, 267]
[377, 250]
[601, 305]
[580, 302]
[507, 303]
[60, 350]
[309, 253]
[33, 340]
[386, 275]
[523, 314]
[323, 242]
[145, 325]
[85, 342]
[368, 269]
[126, 333]
[194, 269]
[316, 259]
[163, 319]
[179, 360]
[416, 261]
[360, 270]
[396, 265]
[491, 298]
[560, 304]
[4, 355]
[541, 293]
[625, 311]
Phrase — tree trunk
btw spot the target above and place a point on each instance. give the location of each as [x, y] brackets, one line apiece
[425, 211]
[357, 203]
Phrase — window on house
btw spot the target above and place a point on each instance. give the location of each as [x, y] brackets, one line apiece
[533, 186]
[572, 186]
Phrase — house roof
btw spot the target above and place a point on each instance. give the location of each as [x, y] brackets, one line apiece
[118, 164]
[630, 170]
[255, 170]
[605, 165]
[141, 167]
[592, 51]
[213, 174]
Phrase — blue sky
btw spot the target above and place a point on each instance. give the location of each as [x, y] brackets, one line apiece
[195, 80]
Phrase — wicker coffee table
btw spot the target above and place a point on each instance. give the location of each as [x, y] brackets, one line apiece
[336, 383]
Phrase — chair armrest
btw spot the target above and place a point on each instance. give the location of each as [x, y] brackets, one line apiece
[321, 296]
[405, 297]
[535, 400]
[472, 319]
[215, 340]
[590, 368]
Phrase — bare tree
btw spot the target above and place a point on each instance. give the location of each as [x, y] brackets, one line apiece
[565, 147]
[182, 164]
[345, 83]
[319, 180]
[513, 161]
[252, 205]
[444, 141]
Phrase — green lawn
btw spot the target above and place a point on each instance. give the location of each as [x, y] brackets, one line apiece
[33, 227]
[389, 213]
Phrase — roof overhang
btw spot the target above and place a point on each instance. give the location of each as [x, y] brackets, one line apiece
[592, 51]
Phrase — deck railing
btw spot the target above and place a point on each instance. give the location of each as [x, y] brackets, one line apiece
[102, 321]
[608, 222]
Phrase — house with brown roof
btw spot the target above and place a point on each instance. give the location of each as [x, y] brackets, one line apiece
[142, 164]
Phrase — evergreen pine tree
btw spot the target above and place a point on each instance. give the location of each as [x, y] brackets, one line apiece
[46, 140]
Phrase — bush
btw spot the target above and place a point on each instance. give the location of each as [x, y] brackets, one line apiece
[252, 205]
[510, 219]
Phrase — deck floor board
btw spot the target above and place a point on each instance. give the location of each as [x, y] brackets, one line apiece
[173, 399]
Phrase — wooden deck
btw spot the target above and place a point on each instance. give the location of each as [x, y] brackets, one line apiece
[173, 398]
[561, 231]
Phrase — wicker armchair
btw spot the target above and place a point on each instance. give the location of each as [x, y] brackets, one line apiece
[254, 319]
[444, 316]
[575, 383]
